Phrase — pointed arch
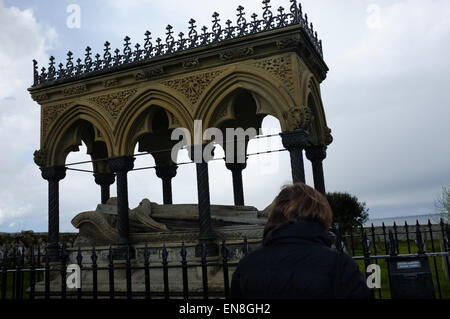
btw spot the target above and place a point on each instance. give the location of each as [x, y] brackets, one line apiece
[268, 92]
[314, 102]
[126, 131]
[65, 133]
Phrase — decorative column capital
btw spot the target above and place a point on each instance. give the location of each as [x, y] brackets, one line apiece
[166, 171]
[39, 157]
[295, 139]
[54, 173]
[121, 164]
[104, 178]
[238, 189]
[196, 153]
[316, 152]
[236, 166]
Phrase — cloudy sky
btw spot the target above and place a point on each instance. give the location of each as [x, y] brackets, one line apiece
[387, 100]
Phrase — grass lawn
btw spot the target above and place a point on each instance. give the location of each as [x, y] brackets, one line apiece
[11, 281]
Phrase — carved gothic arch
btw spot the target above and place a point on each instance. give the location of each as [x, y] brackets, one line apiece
[270, 96]
[320, 131]
[136, 118]
[67, 132]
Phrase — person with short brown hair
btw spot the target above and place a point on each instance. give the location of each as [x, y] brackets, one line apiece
[296, 260]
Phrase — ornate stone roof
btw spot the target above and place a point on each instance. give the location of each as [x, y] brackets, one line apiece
[128, 57]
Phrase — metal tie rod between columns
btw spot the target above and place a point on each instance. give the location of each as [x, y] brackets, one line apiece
[185, 163]
[165, 150]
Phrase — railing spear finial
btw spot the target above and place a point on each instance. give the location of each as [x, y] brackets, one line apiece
[35, 72]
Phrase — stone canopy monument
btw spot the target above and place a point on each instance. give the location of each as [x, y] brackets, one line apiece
[228, 76]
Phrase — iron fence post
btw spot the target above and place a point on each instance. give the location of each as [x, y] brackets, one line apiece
[366, 245]
[47, 274]
[165, 254]
[430, 229]
[407, 237]
[396, 238]
[226, 280]
[374, 245]
[63, 256]
[14, 273]
[94, 274]
[446, 244]
[111, 272]
[386, 247]
[4, 273]
[392, 253]
[128, 273]
[38, 263]
[419, 240]
[80, 264]
[204, 271]
[147, 272]
[32, 273]
[19, 273]
[184, 271]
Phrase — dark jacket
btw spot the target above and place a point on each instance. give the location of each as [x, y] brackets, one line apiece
[296, 262]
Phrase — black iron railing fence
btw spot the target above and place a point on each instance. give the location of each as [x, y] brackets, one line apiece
[127, 56]
[23, 268]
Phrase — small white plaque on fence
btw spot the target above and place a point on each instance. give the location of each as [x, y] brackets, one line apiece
[409, 264]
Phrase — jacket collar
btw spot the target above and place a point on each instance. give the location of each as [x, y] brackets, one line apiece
[294, 231]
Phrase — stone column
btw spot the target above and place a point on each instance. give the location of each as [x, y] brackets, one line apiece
[166, 173]
[316, 154]
[295, 142]
[105, 180]
[238, 188]
[53, 175]
[204, 205]
[121, 166]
